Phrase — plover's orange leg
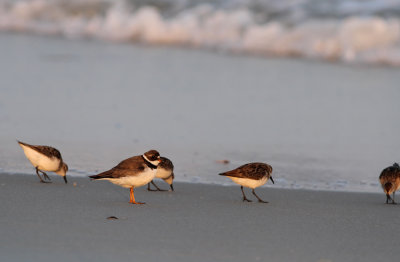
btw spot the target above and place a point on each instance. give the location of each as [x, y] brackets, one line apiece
[132, 200]
[130, 195]
[244, 196]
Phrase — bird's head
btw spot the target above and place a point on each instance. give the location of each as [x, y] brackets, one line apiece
[153, 157]
[169, 180]
[63, 172]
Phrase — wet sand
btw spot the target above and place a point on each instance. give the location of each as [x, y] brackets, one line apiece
[58, 222]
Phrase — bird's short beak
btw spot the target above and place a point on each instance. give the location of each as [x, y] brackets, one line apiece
[65, 179]
[272, 180]
[172, 187]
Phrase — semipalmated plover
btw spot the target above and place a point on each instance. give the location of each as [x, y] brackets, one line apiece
[165, 171]
[45, 158]
[390, 181]
[132, 172]
[250, 175]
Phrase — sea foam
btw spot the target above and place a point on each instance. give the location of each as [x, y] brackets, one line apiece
[349, 37]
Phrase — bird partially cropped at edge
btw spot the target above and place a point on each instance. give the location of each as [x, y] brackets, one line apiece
[250, 175]
[390, 181]
[132, 172]
[165, 171]
[45, 158]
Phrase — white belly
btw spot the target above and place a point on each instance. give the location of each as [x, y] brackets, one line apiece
[41, 161]
[138, 180]
[251, 183]
[162, 173]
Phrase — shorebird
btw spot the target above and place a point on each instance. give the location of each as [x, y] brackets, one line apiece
[390, 181]
[132, 172]
[45, 158]
[165, 171]
[250, 175]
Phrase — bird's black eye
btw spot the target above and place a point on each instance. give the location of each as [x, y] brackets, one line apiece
[153, 157]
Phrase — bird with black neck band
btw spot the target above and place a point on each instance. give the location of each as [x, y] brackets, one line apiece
[133, 172]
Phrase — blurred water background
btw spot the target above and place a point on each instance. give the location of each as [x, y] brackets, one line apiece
[311, 87]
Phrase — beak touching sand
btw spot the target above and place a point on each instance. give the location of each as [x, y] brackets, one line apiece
[172, 187]
[65, 179]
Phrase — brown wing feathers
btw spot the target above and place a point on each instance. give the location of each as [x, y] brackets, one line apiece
[45, 150]
[126, 167]
[389, 177]
[252, 170]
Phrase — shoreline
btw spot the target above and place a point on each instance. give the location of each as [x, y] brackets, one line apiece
[289, 130]
[44, 222]
[228, 183]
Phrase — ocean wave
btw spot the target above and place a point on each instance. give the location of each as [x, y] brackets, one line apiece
[352, 38]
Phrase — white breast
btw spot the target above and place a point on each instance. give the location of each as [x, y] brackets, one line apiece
[41, 161]
[163, 173]
[251, 183]
[137, 180]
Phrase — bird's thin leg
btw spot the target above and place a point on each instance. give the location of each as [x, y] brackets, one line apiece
[159, 189]
[259, 199]
[394, 203]
[244, 196]
[41, 180]
[154, 184]
[388, 198]
[45, 175]
[130, 195]
[132, 200]
[149, 187]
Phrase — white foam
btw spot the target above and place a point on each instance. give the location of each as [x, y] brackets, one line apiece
[355, 39]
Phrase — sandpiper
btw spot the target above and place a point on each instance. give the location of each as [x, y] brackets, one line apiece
[45, 158]
[251, 175]
[390, 181]
[132, 172]
[165, 171]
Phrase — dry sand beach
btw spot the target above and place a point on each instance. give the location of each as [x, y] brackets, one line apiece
[59, 222]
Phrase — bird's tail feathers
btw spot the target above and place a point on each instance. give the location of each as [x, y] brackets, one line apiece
[21, 143]
[387, 187]
[106, 174]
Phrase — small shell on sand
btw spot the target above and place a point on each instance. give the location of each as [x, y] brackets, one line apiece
[112, 218]
[224, 161]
